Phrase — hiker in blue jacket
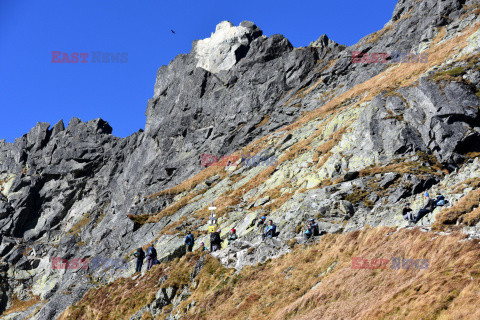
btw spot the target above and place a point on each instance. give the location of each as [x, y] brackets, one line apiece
[189, 242]
[269, 231]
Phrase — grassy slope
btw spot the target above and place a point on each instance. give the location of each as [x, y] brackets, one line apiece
[282, 288]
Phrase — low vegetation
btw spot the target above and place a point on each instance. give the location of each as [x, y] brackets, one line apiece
[18, 305]
[311, 281]
[464, 211]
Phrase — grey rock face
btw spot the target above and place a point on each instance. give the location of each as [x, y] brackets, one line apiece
[66, 192]
[423, 118]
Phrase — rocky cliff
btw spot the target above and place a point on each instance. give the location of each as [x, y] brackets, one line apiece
[324, 131]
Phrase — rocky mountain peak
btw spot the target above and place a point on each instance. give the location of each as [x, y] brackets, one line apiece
[226, 46]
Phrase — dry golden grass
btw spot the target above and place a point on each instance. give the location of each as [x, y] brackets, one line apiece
[324, 149]
[472, 218]
[279, 201]
[405, 167]
[117, 300]
[147, 316]
[393, 78]
[462, 211]
[264, 121]
[21, 305]
[282, 288]
[80, 224]
[374, 37]
[174, 207]
[229, 199]
[174, 227]
[191, 183]
[124, 297]
[469, 183]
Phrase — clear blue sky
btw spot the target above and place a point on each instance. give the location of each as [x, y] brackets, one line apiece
[33, 89]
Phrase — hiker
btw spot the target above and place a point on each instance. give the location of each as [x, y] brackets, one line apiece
[407, 213]
[308, 232]
[151, 256]
[140, 255]
[312, 229]
[261, 222]
[215, 241]
[269, 231]
[429, 207]
[189, 242]
[202, 247]
[232, 236]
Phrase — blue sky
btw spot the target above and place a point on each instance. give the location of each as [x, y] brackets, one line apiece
[33, 89]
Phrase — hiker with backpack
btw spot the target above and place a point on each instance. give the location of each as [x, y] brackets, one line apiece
[429, 207]
[269, 231]
[314, 226]
[215, 241]
[189, 242]
[151, 256]
[140, 255]
[312, 229]
[232, 236]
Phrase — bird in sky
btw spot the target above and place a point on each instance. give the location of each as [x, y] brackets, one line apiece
[172, 31]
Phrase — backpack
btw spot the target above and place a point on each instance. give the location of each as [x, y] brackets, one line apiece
[441, 202]
[151, 252]
[189, 240]
[215, 237]
[274, 230]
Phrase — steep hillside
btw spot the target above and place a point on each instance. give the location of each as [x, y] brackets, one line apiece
[424, 276]
[325, 131]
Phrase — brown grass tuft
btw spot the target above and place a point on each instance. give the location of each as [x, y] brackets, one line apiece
[462, 211]
[21, 305]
